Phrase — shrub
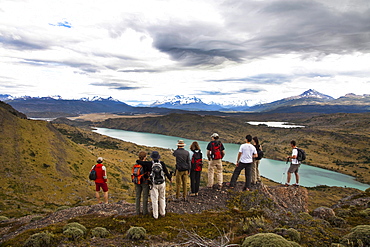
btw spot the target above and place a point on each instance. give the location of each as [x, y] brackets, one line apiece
[73, 233]
[99, 232]
[359, 236]
[3, 218]
[39, 239]
[268, 240]
[290, 234]
[136, 233]
[75, 225]
[62, 208]
[253, 223]
[337, 221]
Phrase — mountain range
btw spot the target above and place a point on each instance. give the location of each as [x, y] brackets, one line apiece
[309, 101]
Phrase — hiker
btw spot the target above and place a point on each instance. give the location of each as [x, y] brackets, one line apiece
[294, 165]
[244, 161]
[182, 169]
[142, 186]
[101, 180]
[196, 168]
[256, 178]
[158, 183]
[215, 153]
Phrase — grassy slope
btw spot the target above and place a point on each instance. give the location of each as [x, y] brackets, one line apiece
[337, 142]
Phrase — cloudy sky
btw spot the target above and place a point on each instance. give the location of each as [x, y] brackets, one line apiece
[139, 51]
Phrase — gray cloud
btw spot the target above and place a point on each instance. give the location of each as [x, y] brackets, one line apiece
[255, 29]
[21, 43]
[116, 85]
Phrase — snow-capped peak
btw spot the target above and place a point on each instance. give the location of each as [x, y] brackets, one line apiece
[178, 100]
[311, 93]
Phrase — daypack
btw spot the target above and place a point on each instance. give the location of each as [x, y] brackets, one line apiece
[216, 153]
[301, 156]
[197, 161]
[259, 153]
[137, 174]
[92, 174]
[157, 174]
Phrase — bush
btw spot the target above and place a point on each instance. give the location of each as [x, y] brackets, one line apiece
[3, 218]
[290, 234]
[73, 233]
[62, 208]
[253, 223]
[359, 236]
[136, 233]
[75, 225]
[99, 232]
[337, 221]
[39, 240]
[268, 240]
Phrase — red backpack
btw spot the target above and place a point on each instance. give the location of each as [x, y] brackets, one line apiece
[197, 161]
[137, 174]
[216, 153]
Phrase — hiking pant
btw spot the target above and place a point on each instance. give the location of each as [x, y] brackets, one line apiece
[215, 164]
[158, 196]
[238, 169]
[181, 178]
[144, 190]
[255, 172]
[194, 181]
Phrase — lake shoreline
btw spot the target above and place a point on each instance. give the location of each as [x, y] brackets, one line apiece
[276, 168]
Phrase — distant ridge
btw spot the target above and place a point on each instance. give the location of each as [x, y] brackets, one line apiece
[309, 101]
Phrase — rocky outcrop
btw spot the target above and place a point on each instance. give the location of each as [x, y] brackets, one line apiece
[324, 213]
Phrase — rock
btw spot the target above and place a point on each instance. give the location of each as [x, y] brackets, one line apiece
[324, 213]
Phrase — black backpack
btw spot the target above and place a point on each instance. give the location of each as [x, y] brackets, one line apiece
[157, 174]
[92, 175]
[301, 156]
[259, 153]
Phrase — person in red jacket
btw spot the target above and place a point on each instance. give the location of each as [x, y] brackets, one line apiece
[101, 180]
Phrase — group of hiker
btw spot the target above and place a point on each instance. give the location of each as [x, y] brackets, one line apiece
[149, 177]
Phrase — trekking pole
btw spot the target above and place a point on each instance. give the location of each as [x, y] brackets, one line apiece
[286, 170]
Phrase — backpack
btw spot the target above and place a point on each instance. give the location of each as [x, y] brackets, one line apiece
[259, 153]
[301, 156]
[92, 174]
[157, 174]
[197, 161]
[216, 153]
[137, 174]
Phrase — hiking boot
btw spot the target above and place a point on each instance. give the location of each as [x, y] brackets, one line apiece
[296, 185]
[286, 185]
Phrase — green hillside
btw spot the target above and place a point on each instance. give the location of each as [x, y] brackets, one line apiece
[42, 169]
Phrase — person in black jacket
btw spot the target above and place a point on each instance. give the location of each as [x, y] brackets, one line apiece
[196, 168]
[182, 169]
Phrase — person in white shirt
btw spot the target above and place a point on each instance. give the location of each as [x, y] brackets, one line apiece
[294, 165]
[244, 161]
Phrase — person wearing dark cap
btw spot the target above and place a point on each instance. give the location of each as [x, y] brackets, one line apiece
[101, 180]
[158, 190]
[183, 166]
[215, 153]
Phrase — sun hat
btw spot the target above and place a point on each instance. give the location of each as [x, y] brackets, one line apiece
[100, 159]
[214, 135]
[181, 143]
